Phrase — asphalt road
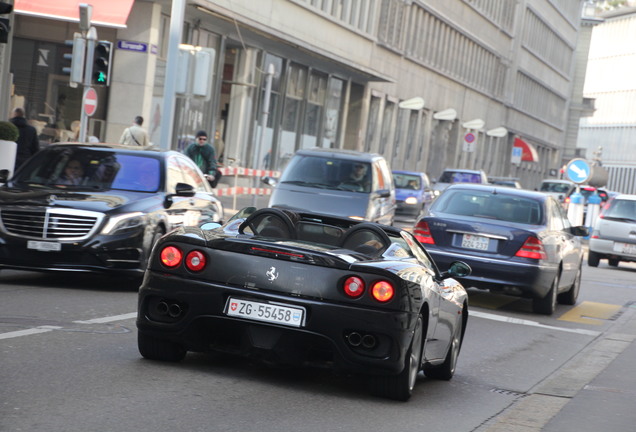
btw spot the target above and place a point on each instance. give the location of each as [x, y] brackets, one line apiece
[70, 363]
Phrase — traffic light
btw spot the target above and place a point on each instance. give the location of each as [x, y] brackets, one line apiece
[76, 68]
[102, 60]
[5, 24]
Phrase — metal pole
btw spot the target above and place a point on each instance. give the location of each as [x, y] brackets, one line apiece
[265, 114]
[91, 37]
[177, 15]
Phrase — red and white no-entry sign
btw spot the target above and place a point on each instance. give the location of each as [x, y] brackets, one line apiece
[90, 101]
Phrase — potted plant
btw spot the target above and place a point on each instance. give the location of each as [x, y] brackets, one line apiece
[9, 134]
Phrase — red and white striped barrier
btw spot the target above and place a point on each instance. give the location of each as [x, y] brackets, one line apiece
[240, 190]
[249, 172]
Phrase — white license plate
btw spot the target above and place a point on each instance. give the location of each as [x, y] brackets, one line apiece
[471, 241]
[625, 248]
[44, 246]
[268, 312]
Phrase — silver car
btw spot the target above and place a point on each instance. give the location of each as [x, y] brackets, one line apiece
[614, 235]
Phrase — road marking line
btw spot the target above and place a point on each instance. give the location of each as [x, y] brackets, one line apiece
[27, 332]
[108, 319]
[519, 321]
[45, 329]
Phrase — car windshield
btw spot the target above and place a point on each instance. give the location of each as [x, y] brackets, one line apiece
[555, 187]
[328, 173]
[84, 168]
[621, 209]
[486, 205]
[459, 177]
[407, 181]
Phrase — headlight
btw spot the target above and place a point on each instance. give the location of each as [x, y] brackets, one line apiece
[411, 200]
[124, 222]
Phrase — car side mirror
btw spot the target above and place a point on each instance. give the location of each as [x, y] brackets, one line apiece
[181, 189]
[457, 269]
[269, 181]
[580, 231]
[383, 193]
[184, 189]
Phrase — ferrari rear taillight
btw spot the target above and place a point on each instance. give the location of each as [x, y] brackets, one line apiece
[195, 261]
[532, 248]
[382, 291]
[353, 287]
[171, 256]
[422, 232]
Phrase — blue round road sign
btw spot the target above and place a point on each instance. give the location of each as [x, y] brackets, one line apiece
[578, 171]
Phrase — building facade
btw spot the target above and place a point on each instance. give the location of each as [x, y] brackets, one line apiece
[610, 133]
[493, 75]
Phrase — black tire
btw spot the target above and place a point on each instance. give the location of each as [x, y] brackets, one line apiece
[593, 259]
[157, 349]
[446, 370]
[547, 304]
[400, 387]
[613, 262]
[569, 297]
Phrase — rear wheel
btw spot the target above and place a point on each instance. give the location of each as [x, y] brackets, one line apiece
[446, 370]
[593, 259]
[547, 304]
[613, 262]
[158, 349]
[400, 387]
[569, 297]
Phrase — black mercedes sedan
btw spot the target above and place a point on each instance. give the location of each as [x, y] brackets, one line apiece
[98, 208]
[305, 289]
[517, 242]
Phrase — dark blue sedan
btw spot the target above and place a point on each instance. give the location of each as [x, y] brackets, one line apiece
[517, 242]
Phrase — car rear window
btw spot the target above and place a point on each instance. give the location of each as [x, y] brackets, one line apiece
[621, 209]
[556, 187]
[487, 205]
[459, 177]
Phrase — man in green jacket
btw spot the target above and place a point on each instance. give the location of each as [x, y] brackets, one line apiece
[204, 155]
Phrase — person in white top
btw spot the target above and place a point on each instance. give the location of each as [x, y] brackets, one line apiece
[135, 134]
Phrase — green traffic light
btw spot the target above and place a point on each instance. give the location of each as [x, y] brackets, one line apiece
[101, 77]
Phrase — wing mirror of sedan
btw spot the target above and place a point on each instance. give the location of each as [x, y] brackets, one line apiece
[4, 175]
[457, 269]
[181, 189]
[580, 231]
[269, 181]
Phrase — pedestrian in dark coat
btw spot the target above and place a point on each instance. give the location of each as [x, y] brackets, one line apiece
[204, 155]
[28, 143]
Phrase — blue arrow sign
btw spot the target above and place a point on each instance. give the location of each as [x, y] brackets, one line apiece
[578, 170]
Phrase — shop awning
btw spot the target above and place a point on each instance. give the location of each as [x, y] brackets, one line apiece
[108, 13]
[528, 151]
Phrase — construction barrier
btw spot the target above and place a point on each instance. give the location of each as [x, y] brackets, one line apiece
[244, 190]
[241, 190]
[249, 172]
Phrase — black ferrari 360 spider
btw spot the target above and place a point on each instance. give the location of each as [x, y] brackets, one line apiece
[305, 289]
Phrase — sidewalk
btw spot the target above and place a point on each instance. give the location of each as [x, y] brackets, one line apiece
[592, 392]
[607, 402]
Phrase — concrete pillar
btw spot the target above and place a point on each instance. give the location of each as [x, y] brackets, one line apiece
[133, 72]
